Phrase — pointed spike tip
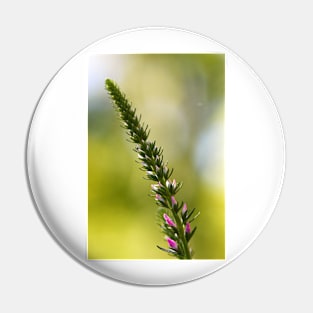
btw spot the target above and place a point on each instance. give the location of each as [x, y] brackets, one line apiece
[108, 83]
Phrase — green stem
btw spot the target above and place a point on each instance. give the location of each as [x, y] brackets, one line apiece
[180, 229]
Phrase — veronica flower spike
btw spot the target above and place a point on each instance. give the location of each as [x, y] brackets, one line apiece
[177, 227]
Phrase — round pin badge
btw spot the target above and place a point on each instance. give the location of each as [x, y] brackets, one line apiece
[155, 156]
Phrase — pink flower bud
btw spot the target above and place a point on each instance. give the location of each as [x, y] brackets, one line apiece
[173, 200]
[174, 184]
[158, 197]
[168, 220]
[187, 228]
[184, 209]
[172, 243]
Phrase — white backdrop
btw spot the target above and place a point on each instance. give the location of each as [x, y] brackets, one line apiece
[273, 274]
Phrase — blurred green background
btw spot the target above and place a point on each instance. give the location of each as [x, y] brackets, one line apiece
[181, 97]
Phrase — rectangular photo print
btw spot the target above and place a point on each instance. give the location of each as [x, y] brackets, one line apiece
[156, 156]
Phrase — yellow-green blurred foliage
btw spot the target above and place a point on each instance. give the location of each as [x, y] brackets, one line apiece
[181, 97]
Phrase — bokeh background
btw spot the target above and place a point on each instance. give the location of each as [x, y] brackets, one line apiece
[181, 97]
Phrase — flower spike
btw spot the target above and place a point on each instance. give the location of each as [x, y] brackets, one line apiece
[177, 229]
